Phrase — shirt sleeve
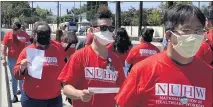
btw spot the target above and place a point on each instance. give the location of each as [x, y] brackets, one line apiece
[128, 95]
[6, 39]
[130, 57]
[16, 69]
[71, 73]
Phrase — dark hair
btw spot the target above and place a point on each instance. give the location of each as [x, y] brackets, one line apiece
[35, 27]
[34, 30]
[179, 14]
[122, 41]
[70, 37]
[16, 26]
[147, 34]
[102, 12]
[208, 12]
[59, 34]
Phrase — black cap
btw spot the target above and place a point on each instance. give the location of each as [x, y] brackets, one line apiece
[208, 12]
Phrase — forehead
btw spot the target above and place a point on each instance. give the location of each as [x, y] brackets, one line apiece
[104, 21]
[191, 23]
[42, 28]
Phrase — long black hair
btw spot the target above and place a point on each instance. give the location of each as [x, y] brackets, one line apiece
[122, 42]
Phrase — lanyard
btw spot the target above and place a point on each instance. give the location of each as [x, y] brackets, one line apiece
[109, 67]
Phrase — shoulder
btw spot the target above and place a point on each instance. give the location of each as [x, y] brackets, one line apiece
[151, 62]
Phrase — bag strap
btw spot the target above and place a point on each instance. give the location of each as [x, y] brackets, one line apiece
[68, 46]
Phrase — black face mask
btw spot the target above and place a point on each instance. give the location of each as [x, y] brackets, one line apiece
[43, 37]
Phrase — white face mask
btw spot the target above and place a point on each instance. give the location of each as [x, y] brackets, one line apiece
[188, 45]
[105, 37]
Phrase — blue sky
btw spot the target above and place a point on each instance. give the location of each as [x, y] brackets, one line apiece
[124, 5]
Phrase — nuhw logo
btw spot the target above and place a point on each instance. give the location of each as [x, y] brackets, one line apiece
[179, 90]
[100, 74]
[50, 61]
[147, 52]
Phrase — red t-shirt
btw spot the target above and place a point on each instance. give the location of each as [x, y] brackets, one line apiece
[121, 56]
[48, 86]
[159, 82]
[209, 35]
[89, 39]
[140, 52]
[24, 37]
[86, 69]
[205, 53]
[13, 48]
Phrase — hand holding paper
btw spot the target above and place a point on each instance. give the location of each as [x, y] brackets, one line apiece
[86, 95]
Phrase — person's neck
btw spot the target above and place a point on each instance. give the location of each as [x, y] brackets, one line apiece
[177, 58]
[42, 47]
[100, 49]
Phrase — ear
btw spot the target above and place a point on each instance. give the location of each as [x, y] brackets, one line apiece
[168, 35]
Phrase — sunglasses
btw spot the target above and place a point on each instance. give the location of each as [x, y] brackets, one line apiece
[105, 28]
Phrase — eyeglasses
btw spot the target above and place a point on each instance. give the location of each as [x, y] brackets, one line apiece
[105, 28]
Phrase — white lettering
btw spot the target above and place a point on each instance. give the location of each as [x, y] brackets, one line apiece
[161, 89]
[200, 93]
[179, 90]
[99, 73]
[89, 72]
[174, 89]
[188, 91]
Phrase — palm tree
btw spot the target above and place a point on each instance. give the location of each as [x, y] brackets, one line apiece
[118, 15]
[211, 3]
[140, 17]
[170, 3]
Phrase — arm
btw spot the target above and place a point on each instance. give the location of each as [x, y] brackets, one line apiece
[127, 68]
[71, 92]
[19, 72]
[71, 76]
[128, 94]
[4, 49]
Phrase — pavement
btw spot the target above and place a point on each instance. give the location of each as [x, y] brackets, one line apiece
[3, 94]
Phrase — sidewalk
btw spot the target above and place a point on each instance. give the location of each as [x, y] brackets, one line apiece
[3, 94]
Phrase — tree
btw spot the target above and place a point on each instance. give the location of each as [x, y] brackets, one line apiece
[155, 19]
[140, 17]
[10, 10]
[118, 14]
[92, 7]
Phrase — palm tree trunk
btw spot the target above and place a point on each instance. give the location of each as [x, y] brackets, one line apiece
[118, 14]
[170, 3]
[211, 3]
[140, 18]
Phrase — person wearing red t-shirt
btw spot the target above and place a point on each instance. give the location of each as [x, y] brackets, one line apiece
[141, 51]
[173, 78]
[69, 42]
[93, 66]
[47, 90]
[59, 35]
[206, 50]
[122, 45]
[14, 46]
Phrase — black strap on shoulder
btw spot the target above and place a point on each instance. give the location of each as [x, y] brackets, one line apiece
[68, 46]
